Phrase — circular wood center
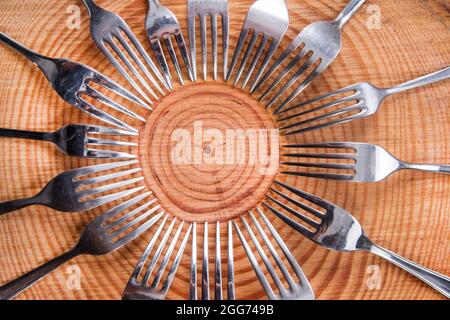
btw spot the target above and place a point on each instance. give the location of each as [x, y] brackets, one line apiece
[209, 152]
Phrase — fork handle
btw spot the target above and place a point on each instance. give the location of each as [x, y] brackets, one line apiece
[438, 281]
[440, 75]
[13, 205]
[15, 287]
[348, 12]
[36, 58]
[426, 167]
[24, 134]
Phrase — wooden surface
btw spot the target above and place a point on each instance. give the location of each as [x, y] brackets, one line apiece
[409, 213]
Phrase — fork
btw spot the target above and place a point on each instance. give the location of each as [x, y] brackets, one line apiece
[269, 20]
[67, 191]
[161, 24]
[362, 98]
[336, 229]
[72, 81]
[301, 290]
[109, 29]
[321, 45]
[106, 233]
[369, 163]
[73, 140]
[202, 9]
[139, 289]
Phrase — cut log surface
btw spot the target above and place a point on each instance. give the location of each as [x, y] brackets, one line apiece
[387, 42]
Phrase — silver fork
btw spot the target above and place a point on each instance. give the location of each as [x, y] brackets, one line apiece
[214, 9]
[336, 229]
[108, 30]
[362, 98]
[369, 163]
[72, 81]
[144, 289]
[218, 275]
[107, 233]
[298, 290]
[75, 139]
[322, 41]
[161, 24]
[67, 192]
[269, 20]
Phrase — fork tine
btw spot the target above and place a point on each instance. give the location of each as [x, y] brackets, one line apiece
[259, 272]
[305, 207]
[176, 263]
[320, 165]
[123, 206]
[101, 167]
[292, 261]
[214, 43]
[272, 48]
[108, 142]
[108, 187]
[284, 72]
[231, 293]
[166, 258]
[321, 107]
[203, 33]
[93, 93]
[273, 252]
[205, 265]
[193, 274]
[123, 218]
[302, 217]
[328, 176]
[225, 42]
[316, 71]
[173, 56]
[140, 264]
[184, 53]
[255, 60]
[327, 95]
[127, 76]
[160, 57]
[192, 40]
[321, 155]
[158, 253]
[111, 131]
[289, 221]
[106, 177]
[237, 52]
[102, 115]
[138, 61]
[247, 53]
[218, 266]
[93, 203]
[146, 57]
[107, 154]
[328, 115]
[265, 259]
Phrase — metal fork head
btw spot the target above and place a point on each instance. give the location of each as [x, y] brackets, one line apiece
[73, 191]
[202, 9]
[161, 24]
[355, 162]
[113, 37]
[139, 286]
[268, 20]
[297, 289]
[347, 104]
[321, 221]
[120, 225]
[74, 140]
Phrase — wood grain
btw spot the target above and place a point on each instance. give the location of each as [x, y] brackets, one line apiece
[409, 213]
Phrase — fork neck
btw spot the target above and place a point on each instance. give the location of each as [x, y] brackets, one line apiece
[91, 6]
[348, 12]
[154, 4]
[40, 60]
